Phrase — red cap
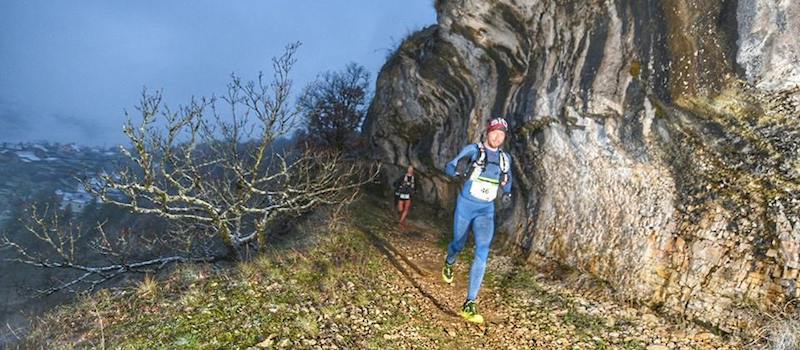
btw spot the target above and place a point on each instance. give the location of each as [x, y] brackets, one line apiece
[497, 124]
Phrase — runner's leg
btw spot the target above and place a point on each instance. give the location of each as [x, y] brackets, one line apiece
[483, 231]
[461, 221]
[406, 208]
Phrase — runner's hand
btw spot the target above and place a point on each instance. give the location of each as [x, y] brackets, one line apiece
[506, 200]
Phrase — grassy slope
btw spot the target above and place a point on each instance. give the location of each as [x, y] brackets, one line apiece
[339, 290]
[286, 297]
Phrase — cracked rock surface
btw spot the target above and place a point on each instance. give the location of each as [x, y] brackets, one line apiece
[655, 142]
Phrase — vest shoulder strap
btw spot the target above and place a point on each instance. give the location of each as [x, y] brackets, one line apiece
[481, 160]
[503, 162]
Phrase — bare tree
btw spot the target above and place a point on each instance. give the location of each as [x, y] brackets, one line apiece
[210, 169]
[63, 244]
[217, 174]
[334, 106]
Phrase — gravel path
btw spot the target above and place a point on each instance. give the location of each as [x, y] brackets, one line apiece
[524, 309]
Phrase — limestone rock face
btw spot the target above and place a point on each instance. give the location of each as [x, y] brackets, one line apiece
[769, 50]
[655, 141]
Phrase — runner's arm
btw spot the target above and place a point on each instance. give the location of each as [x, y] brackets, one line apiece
[469, 150]
[507, 186]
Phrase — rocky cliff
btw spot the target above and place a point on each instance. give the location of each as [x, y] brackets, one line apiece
[655, 142]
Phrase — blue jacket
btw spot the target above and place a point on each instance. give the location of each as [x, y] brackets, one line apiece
[492, 169]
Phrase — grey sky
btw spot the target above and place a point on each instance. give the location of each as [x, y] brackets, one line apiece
[69, 68]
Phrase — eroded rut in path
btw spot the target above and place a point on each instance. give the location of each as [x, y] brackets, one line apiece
[523, 309]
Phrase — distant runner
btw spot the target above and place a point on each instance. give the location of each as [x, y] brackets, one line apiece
[491, 170]
[404, 187]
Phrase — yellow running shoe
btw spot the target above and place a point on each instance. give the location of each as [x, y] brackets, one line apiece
[447, 273]
[470, 312]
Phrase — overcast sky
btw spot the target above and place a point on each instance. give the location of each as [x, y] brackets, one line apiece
[69, 68]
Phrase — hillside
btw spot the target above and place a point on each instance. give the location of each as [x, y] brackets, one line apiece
[363, 284]
[45, 174]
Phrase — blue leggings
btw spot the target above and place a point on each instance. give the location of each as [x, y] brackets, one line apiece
[481, 217]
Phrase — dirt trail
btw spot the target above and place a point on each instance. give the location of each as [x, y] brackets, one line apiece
[523, 309]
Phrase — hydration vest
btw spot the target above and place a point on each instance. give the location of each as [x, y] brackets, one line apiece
[479, 165]
[405, 187]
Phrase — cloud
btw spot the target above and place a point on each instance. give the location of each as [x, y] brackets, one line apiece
[70, 68]
[83, 128]
[13, 123]
[19, 125]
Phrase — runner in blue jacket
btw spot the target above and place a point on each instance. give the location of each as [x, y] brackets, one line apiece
[490, 171]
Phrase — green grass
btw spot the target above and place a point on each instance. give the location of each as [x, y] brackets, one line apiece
[584, 323]
[633, 345]
[286, 294]
[325, 287]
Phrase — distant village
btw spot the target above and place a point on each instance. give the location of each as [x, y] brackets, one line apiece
[49, 152]
[65, 167]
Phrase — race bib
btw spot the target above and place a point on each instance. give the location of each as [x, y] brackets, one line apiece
[405, 196]
[483, 190]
